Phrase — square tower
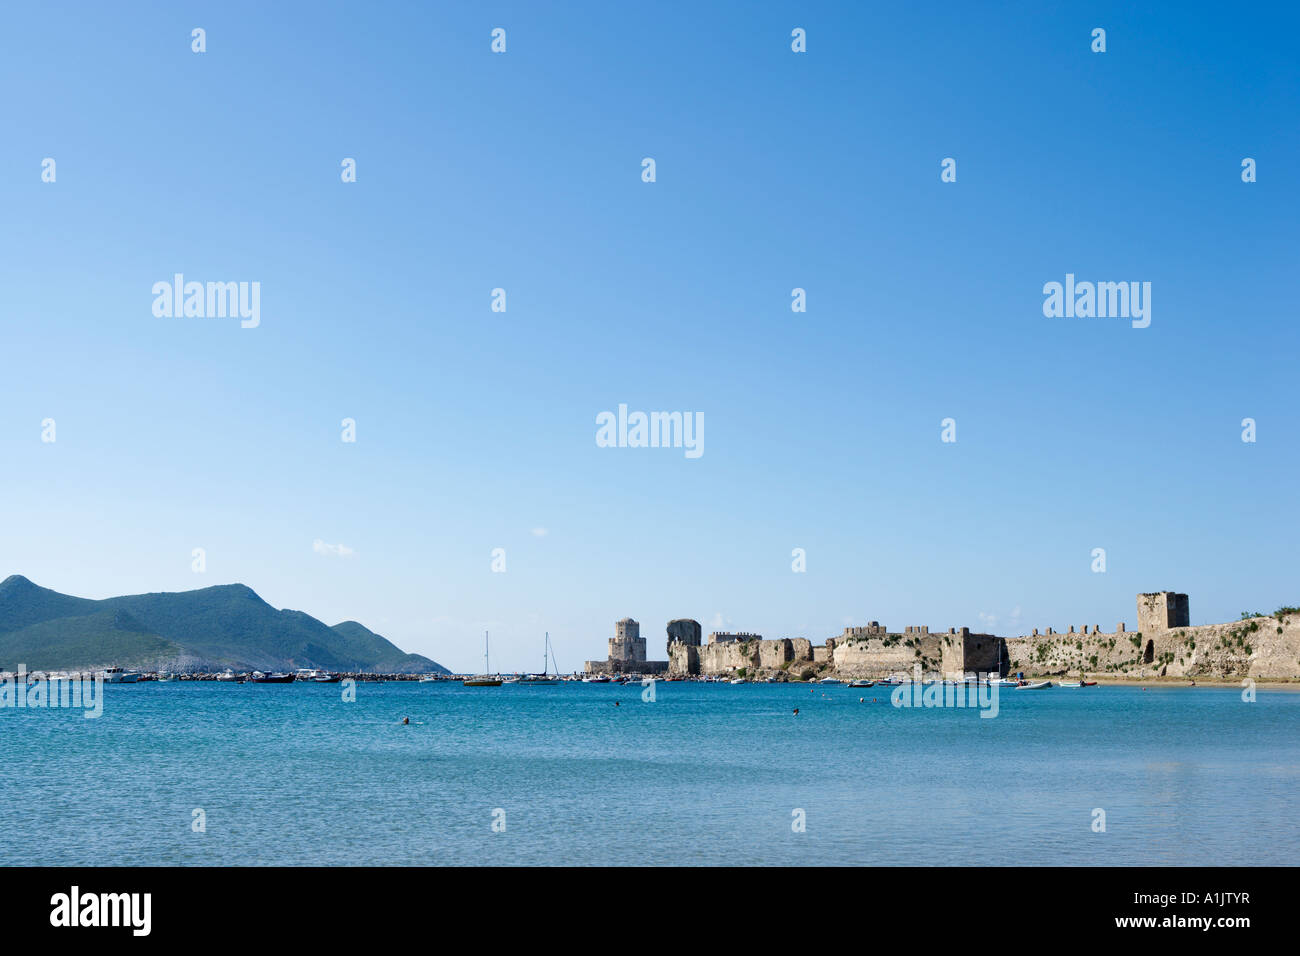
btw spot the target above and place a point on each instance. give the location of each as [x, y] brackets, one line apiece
[627, 644]
[1160, 610]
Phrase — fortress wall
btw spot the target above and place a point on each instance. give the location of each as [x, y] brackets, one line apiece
[892, 654]
[683, 659]
[626, 667]
[773, 654]
[1251, 648]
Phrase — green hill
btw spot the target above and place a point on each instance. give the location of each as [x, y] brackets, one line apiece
[216, 627]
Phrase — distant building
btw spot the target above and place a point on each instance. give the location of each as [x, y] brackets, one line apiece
[1162, 610]
[626, 653]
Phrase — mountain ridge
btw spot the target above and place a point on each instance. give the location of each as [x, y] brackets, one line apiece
[223, 625]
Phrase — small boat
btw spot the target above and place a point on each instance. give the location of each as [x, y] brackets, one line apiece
[862, 683]
[1040, 685]
[739, 680]
[164, 677]
[595, 680]
[485, 679]
[324, 678]
[428, 679]
[830, 680]
[260, 678]
[115, 675]
[1078, 683]
[227, 677]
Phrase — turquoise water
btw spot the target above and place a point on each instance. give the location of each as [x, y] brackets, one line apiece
[706, 774]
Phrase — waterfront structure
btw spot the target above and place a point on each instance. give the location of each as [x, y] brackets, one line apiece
[627, 653]
[1162, 611]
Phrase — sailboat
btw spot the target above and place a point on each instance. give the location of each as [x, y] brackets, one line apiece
[545, 678]
[486, 679]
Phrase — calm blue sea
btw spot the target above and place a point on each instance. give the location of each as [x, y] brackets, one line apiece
[706, 774]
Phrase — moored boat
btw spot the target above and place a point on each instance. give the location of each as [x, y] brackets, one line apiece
[1038, 685]
[115, 675]
[862, 683]
[485, 679]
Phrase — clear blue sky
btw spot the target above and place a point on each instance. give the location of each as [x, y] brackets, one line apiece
[774, 170]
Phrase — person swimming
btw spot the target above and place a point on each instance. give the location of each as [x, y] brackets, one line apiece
[406, 720]
[796, 711]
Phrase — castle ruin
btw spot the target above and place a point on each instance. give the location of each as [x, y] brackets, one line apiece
[627, 653]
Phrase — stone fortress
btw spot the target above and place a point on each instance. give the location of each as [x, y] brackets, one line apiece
[627, 654]
[1164, 645]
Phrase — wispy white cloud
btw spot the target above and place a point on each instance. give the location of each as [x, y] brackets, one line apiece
[540, 532]
[332, 550]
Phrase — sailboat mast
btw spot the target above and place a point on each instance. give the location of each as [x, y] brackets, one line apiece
[546, 654]
[487, 661]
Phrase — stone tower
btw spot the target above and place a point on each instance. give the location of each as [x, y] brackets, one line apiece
[1160, 610]
[627, 644]
[683, 631]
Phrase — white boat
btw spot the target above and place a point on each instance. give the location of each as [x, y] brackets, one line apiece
[228, 677]
[830, 680]
[115, 675]
[1040, 685]
[428, 679]
[739, 680]
[862, 683]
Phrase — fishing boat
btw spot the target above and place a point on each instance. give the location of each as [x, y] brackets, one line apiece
[115, 675]
[485, 679]
[259, 678]
[1038, 685]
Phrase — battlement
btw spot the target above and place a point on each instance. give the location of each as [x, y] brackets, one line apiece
[873, 629]
[724, 637]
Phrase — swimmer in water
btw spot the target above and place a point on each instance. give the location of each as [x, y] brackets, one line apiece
[617, 704]
[406, 720]
[796, 711]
